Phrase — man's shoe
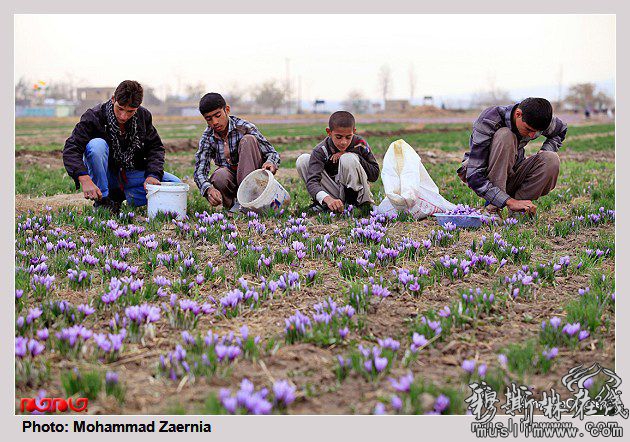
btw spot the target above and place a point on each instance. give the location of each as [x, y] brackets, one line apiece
[350, 196]
[235, 207]
[108, 204]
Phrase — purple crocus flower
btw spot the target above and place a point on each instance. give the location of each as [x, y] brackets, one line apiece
[403, 384]
[85, 309]
[380, 364]
[550, 354]
[230, 404]
[468, 366]
[33, 313]
[34, 347]
[343, 332]
[571, 329]
[188, 338]
[111, 377]
[445, 312]
[20, 346]
[441, 403]
[42, 334]
[418, 341]
[396, 403]
[583, 335]
[389, 343]
[555, 322]
[481, 370]
[502, 360]
[379, 409]
[221, 351]
[283, 392]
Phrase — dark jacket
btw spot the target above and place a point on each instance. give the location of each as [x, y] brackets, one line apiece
[475, 163]
[93, 124]
[321, 162]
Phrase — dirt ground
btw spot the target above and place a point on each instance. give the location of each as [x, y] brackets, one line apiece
[307, 364]
[310, 367]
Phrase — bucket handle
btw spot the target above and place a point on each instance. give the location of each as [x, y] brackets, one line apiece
[152, 191]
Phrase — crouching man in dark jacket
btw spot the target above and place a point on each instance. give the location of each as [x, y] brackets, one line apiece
[114, 151]
[340, 168]
[496, 167]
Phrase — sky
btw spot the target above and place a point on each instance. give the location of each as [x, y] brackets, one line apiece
[325, 56]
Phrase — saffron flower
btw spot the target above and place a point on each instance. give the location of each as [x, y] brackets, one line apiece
[468, 366]
[550, 354]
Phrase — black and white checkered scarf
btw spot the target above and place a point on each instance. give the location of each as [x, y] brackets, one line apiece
[125, 146]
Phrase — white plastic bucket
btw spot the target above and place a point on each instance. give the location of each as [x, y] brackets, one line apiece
[167, 197]
[260, 191]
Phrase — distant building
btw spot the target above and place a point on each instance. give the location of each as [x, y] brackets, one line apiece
[181, 108]
[89, 97]
[50, 108]
[397, 105]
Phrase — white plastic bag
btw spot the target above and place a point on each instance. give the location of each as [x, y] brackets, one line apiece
[408, 186]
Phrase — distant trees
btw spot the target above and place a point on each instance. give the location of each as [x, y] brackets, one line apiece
[195, 91]
[412, 82]
[270, 95]
[385, 81]
[586, 95]
[491, 97]
[234, 95]
[356, 102]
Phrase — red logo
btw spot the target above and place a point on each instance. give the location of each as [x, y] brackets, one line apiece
[47, 405]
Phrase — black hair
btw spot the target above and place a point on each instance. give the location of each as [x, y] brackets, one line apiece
[341, 119]
[537, 112]
[210, 102]
[129, 93]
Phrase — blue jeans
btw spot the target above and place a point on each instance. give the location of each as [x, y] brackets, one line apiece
[96, 158]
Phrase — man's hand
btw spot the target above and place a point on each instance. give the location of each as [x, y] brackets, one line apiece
[336, 156]
[333, 204]
[270, 167]
[521, 206]
[151, 180]
[214, 197]
[90, 190]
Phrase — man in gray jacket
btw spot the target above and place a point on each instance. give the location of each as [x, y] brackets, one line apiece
[340, 168]
[496, 167]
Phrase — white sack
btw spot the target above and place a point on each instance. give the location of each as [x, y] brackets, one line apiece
[408, 186]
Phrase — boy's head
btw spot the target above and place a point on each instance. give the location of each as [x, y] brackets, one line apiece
[215, 111]
[127, 99]
[341, 129]
[533, 115]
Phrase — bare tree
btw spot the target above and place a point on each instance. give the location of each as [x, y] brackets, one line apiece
[194, 91]
[385, 82]
[23, 91]
[412, 82]
[234, 95]
[355, 102]
[60, 90]
[491, 96]
[270, 95]
[585, 95]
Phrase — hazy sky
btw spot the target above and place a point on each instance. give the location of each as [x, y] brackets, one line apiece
[333, 54]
